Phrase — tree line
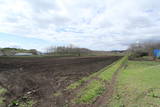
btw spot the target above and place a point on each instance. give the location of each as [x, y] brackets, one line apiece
[144, 48]
[67, 50]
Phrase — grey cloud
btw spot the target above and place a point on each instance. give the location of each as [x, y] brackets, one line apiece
[42, 5]
[140, 22]
[95, 24]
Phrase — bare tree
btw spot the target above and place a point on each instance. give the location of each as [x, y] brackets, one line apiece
[67, 50]
[144, 48]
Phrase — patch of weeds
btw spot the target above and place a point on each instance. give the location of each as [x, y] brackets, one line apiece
[76, 84]
[14, 103]
[155, 93]
[57, 94]
[22, 103]
[91, 91]
[2, 98]
[107, 74]
[121, 105]
[27, 104]
[66, 105]
[118, 97]
[2, 91]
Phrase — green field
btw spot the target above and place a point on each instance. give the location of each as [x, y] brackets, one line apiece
[138, 85]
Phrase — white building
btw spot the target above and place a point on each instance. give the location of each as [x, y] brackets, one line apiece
[23, 54]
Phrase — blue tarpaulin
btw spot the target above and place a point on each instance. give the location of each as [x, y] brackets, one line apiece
[156, 53]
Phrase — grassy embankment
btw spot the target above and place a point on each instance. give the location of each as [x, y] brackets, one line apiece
[138, 85]
[95, 84]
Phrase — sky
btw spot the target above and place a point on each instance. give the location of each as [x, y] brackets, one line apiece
[94, 24]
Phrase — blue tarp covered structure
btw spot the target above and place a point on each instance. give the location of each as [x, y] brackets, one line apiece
[156, 53]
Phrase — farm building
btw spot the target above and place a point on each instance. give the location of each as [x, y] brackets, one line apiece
[23, 54]
[156, 53]
[1, 53]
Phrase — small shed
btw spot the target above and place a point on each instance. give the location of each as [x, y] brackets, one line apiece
[23, 54]
[156, 53]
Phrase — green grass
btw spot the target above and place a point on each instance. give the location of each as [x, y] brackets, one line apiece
[96, 87]
[2, 101]
[92, 90]
[80, 82]
[2, 92]
[138, 85]
[27, 104]
[77, 83]
[19, 103]
[107, 74]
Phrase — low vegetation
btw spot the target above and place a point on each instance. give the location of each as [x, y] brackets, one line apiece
[87, 94]
[77, 83]
[138, 85]
[107, 74]
[18, 103]
[83, 80]
[95, 84]
[2, 98]
[21, 102]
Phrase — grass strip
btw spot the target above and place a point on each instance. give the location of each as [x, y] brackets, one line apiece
[77, 83]
[107, 74]
[93, 89]
[97, 87]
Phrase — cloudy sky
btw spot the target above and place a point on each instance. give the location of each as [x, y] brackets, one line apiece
[94, 24]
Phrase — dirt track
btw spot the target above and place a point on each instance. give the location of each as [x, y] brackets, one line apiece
[45, 76]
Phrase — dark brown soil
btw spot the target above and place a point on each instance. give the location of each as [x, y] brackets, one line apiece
[42, 77]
